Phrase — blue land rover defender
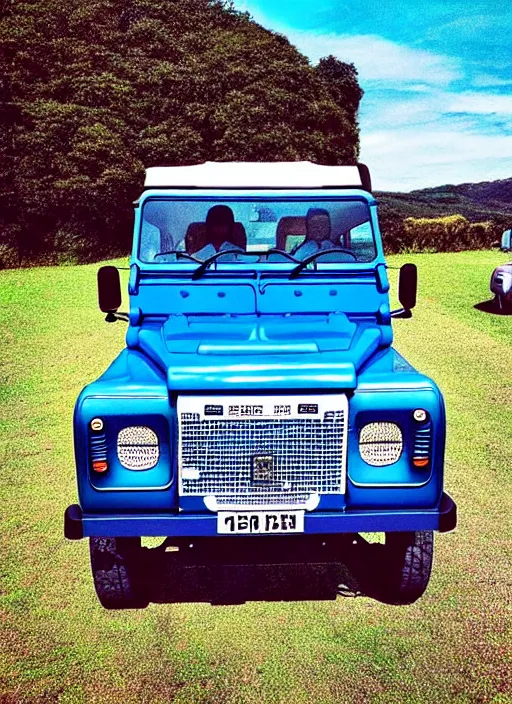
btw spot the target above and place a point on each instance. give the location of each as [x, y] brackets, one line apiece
[259, 408]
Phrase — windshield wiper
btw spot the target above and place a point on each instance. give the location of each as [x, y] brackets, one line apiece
[204, 266]
[261, 253]
[289, 256]
[303, 264]
[177, 252]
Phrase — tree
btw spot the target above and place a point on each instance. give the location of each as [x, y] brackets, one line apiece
[103, 88]
[340, 80]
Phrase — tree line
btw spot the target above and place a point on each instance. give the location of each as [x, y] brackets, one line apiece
[449, 233]
[95, 91]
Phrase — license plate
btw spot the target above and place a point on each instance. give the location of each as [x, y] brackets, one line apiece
[234, 522]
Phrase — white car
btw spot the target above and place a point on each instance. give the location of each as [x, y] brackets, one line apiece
[501, 279]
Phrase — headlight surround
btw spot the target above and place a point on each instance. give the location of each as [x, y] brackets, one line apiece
[380, 443]
[137, 447]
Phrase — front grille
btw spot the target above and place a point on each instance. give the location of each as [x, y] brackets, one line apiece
[263, 461]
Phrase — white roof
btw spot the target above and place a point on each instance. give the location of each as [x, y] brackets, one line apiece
[237, 174]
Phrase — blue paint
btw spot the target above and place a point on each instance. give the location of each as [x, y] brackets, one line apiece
[246, 328]
[321, 522]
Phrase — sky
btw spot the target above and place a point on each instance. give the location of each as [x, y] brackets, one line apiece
[437, 76]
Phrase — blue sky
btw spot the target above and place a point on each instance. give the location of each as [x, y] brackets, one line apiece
[437, 77]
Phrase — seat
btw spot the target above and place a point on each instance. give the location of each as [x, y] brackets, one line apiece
[289, 226]
[196, 236]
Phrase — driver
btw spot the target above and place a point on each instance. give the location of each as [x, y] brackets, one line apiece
[220, 225]
[318, 234]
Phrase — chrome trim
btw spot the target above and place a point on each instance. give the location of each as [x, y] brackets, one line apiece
[310, 504]
[229, 483]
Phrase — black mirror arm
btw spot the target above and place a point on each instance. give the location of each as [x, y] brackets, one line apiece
[401, 313]
[113, 316]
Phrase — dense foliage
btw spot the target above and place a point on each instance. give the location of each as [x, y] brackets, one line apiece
[96, 90]
[452, 233]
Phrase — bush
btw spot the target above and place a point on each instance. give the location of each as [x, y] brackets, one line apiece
[452, 233]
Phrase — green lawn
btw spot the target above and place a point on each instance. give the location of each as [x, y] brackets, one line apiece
[59, 645]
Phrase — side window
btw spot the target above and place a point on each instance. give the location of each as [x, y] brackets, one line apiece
[361, 241]
[163, 229]
[149, 242]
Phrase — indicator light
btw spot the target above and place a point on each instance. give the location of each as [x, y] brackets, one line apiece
[100, 466]
[420, 461]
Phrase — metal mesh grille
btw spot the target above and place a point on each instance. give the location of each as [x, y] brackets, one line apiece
[380, 444]
[305, 456]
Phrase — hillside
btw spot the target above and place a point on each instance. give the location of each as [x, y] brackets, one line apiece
[446, 218]
[94, 92]
[489, 200]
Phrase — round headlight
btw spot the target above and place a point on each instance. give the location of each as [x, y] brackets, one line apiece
[380, 443]
[137, 447]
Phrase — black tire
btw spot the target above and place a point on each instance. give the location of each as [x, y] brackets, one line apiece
[118, 570]
[407, 565]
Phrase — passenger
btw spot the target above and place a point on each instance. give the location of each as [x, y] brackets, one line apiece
[220, 225]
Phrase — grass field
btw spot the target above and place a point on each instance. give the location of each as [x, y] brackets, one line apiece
[58, 645]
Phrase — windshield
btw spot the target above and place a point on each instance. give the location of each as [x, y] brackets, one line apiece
[301, 228]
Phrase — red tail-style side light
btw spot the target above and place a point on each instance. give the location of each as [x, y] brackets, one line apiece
[420, 461]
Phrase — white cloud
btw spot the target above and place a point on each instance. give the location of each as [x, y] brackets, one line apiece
[436, 105]
[378, 59]
[405, 159]
[418, 128]
[481, 103]
[486, 80]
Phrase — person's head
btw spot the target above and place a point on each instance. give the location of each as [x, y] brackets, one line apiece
[220, 223]
[318, 225]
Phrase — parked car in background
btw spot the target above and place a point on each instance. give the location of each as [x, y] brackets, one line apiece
[501, 279]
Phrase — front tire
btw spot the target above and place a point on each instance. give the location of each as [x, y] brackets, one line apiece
[118, 571]
[407, 565]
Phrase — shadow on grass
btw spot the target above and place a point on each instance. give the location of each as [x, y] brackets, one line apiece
[183, 576]
[493, 307]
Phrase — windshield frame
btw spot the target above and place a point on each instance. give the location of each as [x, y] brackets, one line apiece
[232, 195]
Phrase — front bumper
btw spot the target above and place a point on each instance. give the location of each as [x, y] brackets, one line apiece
[443, 519]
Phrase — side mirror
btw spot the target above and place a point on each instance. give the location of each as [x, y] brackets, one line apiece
[109, 289]
[506, 241]
[407, 290]
[408, 286]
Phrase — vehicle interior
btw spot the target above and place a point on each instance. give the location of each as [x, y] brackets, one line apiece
[297, 228]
